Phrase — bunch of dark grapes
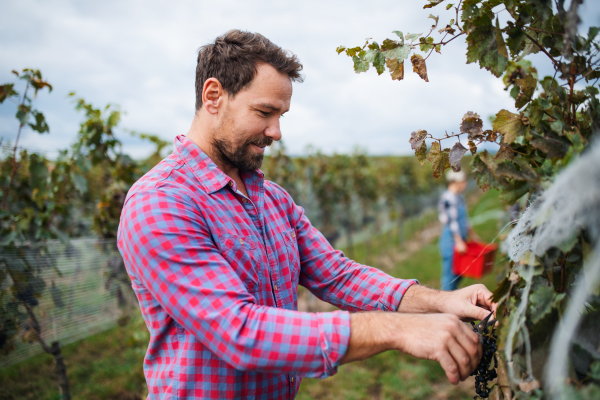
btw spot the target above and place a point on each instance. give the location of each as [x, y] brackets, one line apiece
[484, 372]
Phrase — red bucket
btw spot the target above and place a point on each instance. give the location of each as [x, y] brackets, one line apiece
[476, 262]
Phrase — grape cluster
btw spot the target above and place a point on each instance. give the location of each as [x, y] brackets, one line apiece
[484, 372]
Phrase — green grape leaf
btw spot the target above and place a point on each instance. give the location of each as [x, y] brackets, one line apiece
[360, 65]
[340, 49]
[23, 113]
[500, 41]
[456, 154]
[396, 69]
[351, 52]
[417, 138]
[449, 6]
[7, 91]
[472, 125]
[412, 36]
[38, 171]
[79, 182]
[543, 301]
[389, 44]
[502, 290]
[509, 169]
[426, 44]
[419, 66]
[439, 159]
[515, 91]
[482, 172]
[482, 45]
[509, 125]
[421, 153]
[379, 63]
[40, 125]
[527, 86]
[400, 35]
[436, 19]
[432, 3]
[400, 53]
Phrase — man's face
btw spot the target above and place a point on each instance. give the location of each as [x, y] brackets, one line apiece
[250, 121]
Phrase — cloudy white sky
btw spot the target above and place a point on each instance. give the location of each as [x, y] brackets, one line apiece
[141, 55]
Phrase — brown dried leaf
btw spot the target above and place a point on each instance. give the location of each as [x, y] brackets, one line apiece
[472, 147]
[472, 125]
[503, 379]
[419, 66]
[456, 154]
[528, 387]
[396, 69]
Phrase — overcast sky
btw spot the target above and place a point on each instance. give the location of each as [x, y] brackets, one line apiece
[141, 55]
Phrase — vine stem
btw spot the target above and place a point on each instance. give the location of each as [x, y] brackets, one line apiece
[542, 49]
[14, 160]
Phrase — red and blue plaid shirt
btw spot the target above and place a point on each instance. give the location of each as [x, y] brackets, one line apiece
[216, 275]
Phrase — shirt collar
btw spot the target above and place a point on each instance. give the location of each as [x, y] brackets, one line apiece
[206, 171]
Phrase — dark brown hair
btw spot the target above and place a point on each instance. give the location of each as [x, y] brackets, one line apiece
[233, 59]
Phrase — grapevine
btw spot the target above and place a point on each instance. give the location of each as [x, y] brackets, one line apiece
[555, 120]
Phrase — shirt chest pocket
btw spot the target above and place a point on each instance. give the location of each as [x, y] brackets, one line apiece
[292, 255]
[243, 254]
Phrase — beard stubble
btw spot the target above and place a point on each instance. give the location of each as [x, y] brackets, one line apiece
[241, 157]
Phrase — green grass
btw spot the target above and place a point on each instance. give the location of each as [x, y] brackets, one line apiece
[104, 366]
[109, 365]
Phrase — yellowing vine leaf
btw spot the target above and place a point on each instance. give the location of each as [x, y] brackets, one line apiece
[419, 66]
[509, 125]
[417, 138]
[527, 86]
[439, 159]
[421, 153]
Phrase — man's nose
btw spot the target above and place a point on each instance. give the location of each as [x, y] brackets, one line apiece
[273, 130]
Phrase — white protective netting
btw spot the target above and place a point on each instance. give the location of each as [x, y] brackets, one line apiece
[554, 219]
[85, 292]
[571, 203]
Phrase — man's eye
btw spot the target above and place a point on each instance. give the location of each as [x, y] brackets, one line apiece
[264, 113]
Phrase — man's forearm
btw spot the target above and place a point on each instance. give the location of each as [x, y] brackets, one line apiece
[440, 337]
[370, 333]
[423, 299]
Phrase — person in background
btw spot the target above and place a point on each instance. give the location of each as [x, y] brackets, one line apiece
[456, 227]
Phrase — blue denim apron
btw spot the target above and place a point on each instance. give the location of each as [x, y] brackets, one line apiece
[450, 281]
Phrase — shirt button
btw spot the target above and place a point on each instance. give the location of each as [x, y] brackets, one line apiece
[244, 200]
[294, 235]
[241, 241]
[275, 287]
[230, 183]
[292, 379]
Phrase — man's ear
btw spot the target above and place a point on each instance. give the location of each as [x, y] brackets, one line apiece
[212, 95]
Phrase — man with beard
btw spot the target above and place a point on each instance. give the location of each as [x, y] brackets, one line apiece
[216, 252]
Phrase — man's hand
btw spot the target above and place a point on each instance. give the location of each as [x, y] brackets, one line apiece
[439, 337]
[471, 303]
